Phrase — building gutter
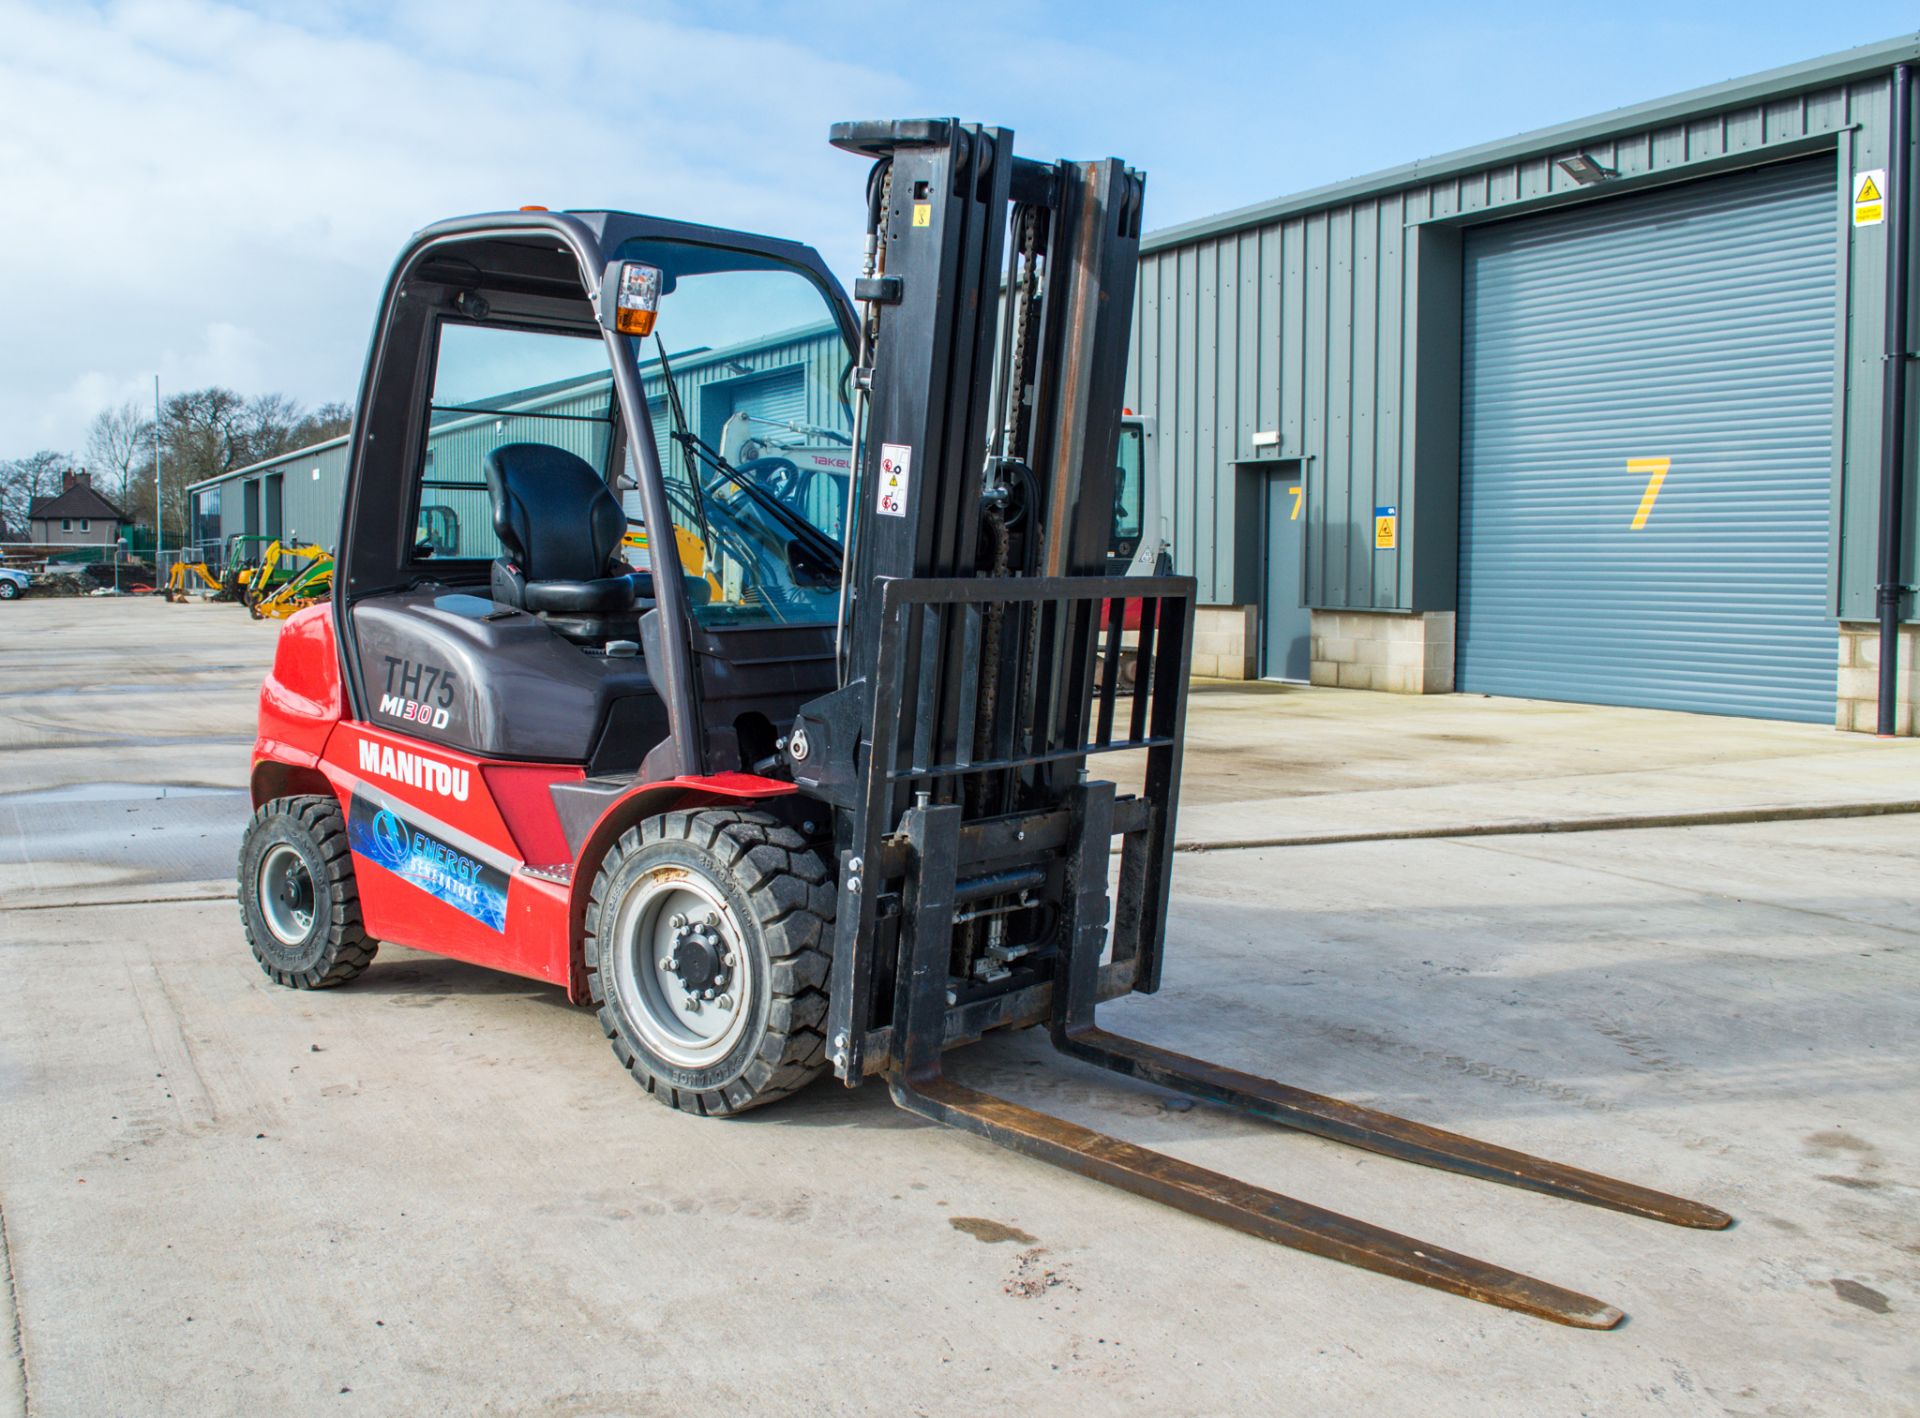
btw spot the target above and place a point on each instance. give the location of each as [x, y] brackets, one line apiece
[1806, 77]
[1893, 402]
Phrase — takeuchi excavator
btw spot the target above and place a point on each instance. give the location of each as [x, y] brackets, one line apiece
[739, 657]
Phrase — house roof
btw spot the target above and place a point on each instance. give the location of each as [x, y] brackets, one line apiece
[79, 500]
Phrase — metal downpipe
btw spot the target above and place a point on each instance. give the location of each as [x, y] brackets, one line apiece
[1893, 405]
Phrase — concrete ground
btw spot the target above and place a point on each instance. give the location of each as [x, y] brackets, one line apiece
[434, 1191]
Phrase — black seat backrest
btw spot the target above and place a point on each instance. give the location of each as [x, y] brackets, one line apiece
[553, 513]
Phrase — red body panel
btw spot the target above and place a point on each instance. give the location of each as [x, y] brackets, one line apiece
[446, 796]
[300, 699]
[441, 839]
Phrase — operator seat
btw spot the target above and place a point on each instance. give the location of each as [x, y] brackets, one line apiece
[560, 528]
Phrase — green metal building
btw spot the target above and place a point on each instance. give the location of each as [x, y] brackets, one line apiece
[299, 495]
[1591, 414]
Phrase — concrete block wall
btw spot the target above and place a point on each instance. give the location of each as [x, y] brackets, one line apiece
[1857, 705]
[1226, 640]
[1395, 652]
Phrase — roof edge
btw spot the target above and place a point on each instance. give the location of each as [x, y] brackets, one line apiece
[1801, 77]
[291, 455]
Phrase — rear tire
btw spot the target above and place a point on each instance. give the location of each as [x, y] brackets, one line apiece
[729, 911]
[298, 900]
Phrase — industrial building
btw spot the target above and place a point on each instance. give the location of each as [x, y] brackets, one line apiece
[298, 495]
[1592, 414]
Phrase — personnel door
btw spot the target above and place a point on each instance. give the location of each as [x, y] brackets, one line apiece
[1286, 625]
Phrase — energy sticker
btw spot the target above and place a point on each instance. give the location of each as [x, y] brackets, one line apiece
[436, 866]
[1870, 197]
[896, 478]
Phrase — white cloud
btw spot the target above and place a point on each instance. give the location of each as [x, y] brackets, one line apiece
[215, 190]
[217, 193]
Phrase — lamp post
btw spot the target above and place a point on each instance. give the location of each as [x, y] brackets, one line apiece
[159, 503]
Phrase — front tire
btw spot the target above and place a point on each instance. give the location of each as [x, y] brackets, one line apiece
[707, 947]
[298, 900]
[9, 588]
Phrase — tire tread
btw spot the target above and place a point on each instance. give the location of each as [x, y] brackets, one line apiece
[787, 881]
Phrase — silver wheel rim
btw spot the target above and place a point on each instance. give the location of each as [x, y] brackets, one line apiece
[664, 910]
[285, 891]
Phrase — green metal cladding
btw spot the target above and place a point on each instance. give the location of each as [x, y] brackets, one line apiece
[1326, 328]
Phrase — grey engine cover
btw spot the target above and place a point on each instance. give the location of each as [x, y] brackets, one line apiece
[453, 669]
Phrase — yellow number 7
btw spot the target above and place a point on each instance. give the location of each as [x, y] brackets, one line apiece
[1295, 491]
[1656, 469]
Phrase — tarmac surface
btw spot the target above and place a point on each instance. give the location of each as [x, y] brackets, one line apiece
[434, 1190]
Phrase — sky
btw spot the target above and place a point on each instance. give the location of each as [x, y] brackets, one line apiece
[214, 192]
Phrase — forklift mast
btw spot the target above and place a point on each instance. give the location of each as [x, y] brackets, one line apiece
[973, 690]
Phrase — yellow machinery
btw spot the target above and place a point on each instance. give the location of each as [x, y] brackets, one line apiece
[190, 576]
[272, 593]
[693, 555]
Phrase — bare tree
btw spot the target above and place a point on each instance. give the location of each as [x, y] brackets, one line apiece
[203, 433]
[24, 479]
[268, 425]
[120, 453]
[327, 421]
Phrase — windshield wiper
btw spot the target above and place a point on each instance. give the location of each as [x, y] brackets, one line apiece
[680, 434]
[818, 543]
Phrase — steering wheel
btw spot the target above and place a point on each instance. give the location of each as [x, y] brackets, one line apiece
[779, 476]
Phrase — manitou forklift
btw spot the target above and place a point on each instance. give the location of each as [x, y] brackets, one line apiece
[812, 789]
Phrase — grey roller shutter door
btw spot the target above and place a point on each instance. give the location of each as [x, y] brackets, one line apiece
[782, 398]
[1696, 325]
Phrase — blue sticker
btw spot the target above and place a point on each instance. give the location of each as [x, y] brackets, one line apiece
[438, 868]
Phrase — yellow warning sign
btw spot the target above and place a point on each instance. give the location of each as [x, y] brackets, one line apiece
[1386, 528]
[923, 214]
[1869, 197]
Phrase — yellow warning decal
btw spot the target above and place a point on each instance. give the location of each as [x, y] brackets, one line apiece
[923, 214]
[1869, 197]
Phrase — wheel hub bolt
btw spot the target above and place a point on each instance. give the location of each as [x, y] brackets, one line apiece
[692, 1005]
[725, 1001]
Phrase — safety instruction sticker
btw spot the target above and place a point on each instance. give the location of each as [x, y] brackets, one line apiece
[896, 477]
[1870, 197]
[1386, 528]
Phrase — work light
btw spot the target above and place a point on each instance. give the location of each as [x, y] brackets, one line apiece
[636, 298]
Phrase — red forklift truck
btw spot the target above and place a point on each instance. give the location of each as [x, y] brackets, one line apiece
[811, 790]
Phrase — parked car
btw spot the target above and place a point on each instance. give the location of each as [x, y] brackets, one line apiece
[13, 584]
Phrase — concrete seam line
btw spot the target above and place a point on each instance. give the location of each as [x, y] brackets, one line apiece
[16, 1326]
[126, 901]
[1717, 817]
